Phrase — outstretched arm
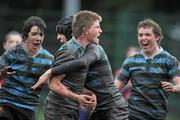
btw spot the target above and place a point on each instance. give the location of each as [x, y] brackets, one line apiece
[42, 79]
[74, 65]
[71, 66]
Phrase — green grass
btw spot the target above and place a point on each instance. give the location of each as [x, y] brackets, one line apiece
[40, 114]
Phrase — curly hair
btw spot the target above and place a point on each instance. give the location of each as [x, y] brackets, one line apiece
[64, 26]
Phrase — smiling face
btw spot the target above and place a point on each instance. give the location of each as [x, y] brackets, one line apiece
[147, 40]
[34, 39]
[94, 32]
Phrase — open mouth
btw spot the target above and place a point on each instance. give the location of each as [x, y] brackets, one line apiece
[37, 44]
[145, 44]
[97, 39]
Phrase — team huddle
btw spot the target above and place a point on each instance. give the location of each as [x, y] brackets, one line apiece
[79, 76]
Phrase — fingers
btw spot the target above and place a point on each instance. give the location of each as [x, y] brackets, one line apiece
[89, 99]
[11, 73]
[40, 82]
[85, 99]
[89, 107]
[7, 71]
[34, 86]
[88, 102]
[94, 97]
[167, 86]
[7, 67]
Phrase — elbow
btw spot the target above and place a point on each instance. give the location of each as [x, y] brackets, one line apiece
[52, 85]
[119, 85]
[55, 85]
[116, 83]
[83, 64]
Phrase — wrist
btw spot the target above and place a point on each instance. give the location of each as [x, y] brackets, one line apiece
[50, 72]
[176, 89]
[74, 96]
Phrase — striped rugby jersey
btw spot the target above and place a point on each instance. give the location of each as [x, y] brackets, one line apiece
[16, 90]
[148, 99]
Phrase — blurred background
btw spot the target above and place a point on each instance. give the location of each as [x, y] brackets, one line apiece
[120, 19]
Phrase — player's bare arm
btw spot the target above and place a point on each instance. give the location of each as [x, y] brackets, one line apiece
[42, 79]
[172, 87]
[56, 86]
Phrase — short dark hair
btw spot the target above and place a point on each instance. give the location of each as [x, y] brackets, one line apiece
[64, 26]
[30, 22]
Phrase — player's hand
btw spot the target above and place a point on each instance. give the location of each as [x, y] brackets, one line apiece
[87, 101]
[42, 79]
[92, 106]
[94, 99]
[6, 72]
[167, 86]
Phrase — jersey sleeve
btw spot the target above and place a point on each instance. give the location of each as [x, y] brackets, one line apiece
[74, 65]
[6, 58]
[174, 68]
[96, 49]
[61, 57]
[124, 74]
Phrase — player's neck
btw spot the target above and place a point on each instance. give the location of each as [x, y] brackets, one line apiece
[153, 52]
[82, 41]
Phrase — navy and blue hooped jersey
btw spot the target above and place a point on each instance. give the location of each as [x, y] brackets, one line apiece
[16, 89]
[148, 99]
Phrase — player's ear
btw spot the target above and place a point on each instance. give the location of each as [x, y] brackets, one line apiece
[85, 31]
